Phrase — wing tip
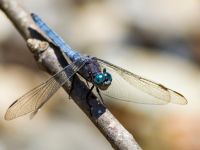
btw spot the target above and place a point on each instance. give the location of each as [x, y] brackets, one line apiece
[184, 101]
[178, 98]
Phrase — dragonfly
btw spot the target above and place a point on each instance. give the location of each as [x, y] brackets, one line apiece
[110, 80]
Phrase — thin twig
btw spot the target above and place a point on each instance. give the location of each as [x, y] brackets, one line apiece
[52, 60]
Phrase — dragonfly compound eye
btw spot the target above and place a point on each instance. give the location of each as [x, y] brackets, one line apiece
[99, 79]
[107, 76]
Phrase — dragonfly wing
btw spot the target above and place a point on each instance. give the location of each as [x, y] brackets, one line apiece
[125, 85]
[37, 97]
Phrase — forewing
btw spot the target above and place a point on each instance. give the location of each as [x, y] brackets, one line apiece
[127, 86]
[37, 97]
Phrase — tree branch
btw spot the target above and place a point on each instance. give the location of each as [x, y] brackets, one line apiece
[52, 60]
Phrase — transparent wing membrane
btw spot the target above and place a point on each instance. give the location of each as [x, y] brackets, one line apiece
[130, 87]
[37, 97]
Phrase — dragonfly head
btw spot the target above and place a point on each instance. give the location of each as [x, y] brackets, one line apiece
[103, 80]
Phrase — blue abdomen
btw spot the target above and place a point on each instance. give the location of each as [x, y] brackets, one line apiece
[57, 40]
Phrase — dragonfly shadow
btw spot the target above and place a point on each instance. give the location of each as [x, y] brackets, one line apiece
[91, 103]
[37, 35]
[97, 108]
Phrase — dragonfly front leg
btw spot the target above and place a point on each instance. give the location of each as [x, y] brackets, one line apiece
[101, 99]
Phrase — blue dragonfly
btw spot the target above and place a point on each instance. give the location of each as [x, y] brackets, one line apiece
[110, 80]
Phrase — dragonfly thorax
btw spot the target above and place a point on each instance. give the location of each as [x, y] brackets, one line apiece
[103, 80]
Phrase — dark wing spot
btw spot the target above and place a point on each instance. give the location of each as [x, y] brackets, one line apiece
[163, 87]
[178, 93]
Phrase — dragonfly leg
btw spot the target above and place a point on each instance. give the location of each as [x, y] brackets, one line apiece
[101, 99]
[87, 99]
[72, 86]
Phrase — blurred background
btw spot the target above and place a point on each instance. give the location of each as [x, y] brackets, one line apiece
[157, 39]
